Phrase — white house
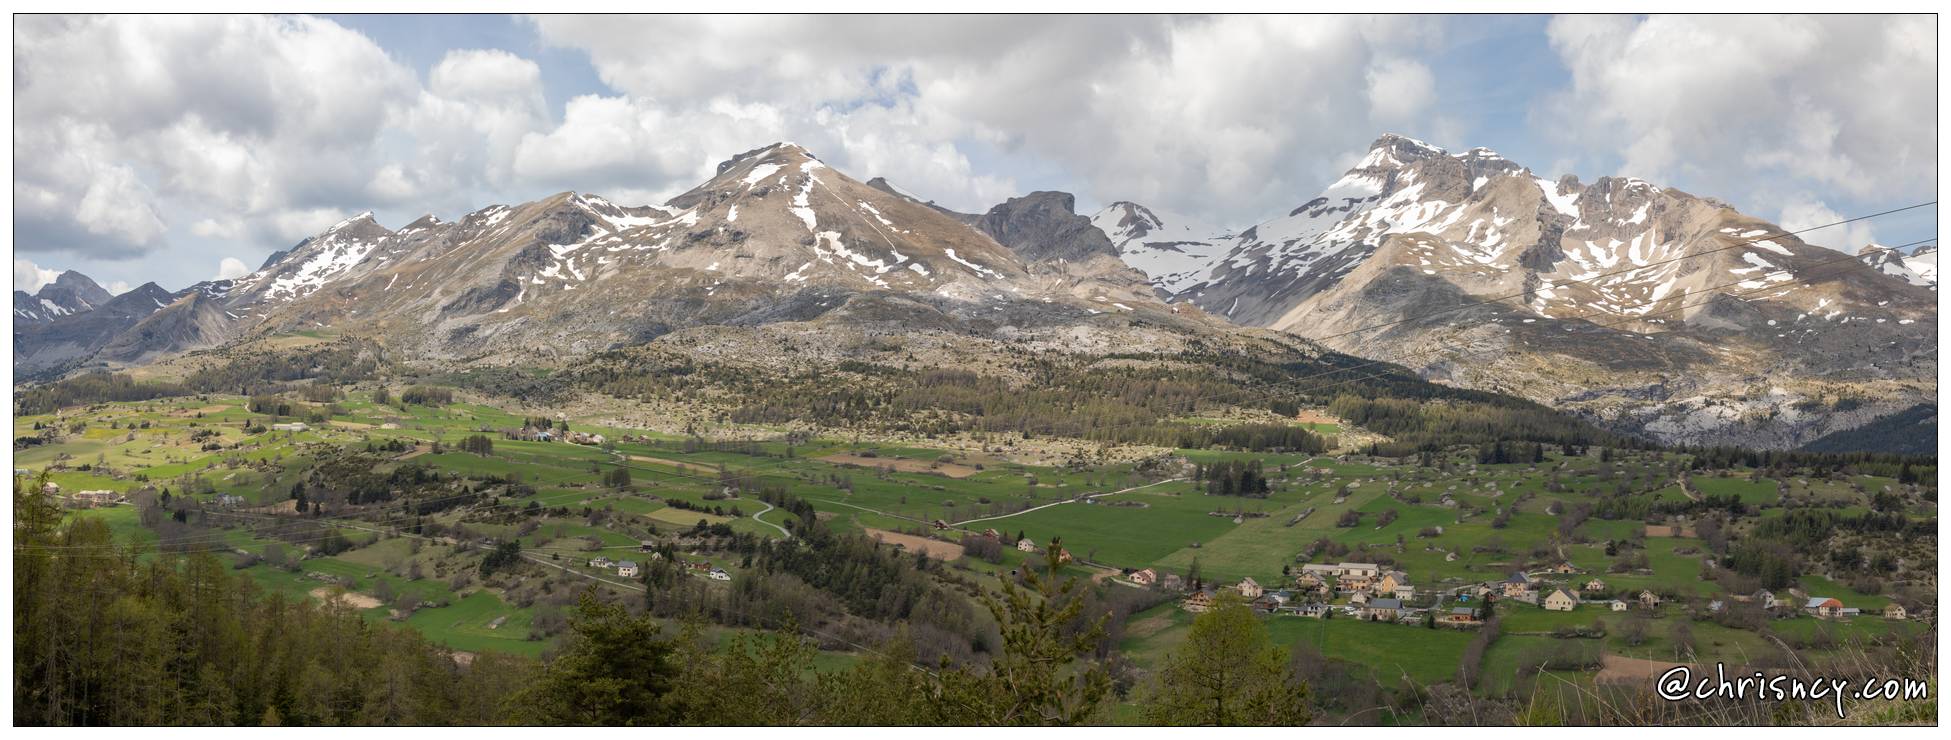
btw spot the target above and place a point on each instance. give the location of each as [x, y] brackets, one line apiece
[627, 569]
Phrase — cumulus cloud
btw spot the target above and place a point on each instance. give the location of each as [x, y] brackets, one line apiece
[1220, 116]
[30, 277]
[1748, 107]
[224, 117]
[1804, 212]
[231, 268]
[1400, 90]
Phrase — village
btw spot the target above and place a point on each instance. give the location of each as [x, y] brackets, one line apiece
[1369, 592]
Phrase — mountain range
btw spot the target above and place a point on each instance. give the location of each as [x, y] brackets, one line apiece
[1649, 309]
[1646, 309]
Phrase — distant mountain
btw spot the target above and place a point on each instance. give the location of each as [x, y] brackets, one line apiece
[775, 235]
[69, 340]
[70, 293]
[1647, 308]
[1916, 268]
[1173, 252]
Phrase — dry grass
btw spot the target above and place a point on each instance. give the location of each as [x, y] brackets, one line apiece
[934, 548]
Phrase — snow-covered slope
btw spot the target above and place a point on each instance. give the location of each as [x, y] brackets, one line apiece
[1172, 251]
[1916, 268]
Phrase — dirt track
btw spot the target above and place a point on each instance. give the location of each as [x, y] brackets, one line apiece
[935, 548]
[353, 599]
[1621, 669]
[951, 470]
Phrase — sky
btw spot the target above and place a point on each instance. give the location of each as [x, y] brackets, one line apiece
[175, 149]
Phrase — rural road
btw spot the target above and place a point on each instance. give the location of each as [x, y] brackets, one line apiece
[1065, 501]
[768, 507]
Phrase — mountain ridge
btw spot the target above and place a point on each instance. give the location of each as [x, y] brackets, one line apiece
[1400, 259]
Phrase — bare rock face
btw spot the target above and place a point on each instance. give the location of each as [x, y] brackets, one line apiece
[1480, 273]
[1044, 226]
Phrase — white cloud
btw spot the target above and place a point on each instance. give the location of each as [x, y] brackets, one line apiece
[30, 277]
[231, 268]
[123, 119]
[252, 132]
[218, 228]
[1805, 212]
[1220, 116]
[1399, 90]
[1753, 107]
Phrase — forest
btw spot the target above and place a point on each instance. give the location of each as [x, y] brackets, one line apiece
[107, 635]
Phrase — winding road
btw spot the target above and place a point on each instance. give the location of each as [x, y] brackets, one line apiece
[768, 507]
[1087, 497]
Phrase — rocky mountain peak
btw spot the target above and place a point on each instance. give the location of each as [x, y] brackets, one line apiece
[70, 293]
[1044, 226]
[1395, 150]
[81, 286]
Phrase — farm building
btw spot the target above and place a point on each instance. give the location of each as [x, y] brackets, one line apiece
[1197, 603]
[600, 562]
[1382, 610]
[1391, 580]
[1249, 588]
[1313, 610]
[1026, 545]
[627, 569]
[1824, 607]
[1516, 586]
[1649, 599]
[1561, 600]
[1595, 586]
[92, 499]
[1459, 616]
[1144, 577]
[1617, 605]
[290, 426]
[1895, 611]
